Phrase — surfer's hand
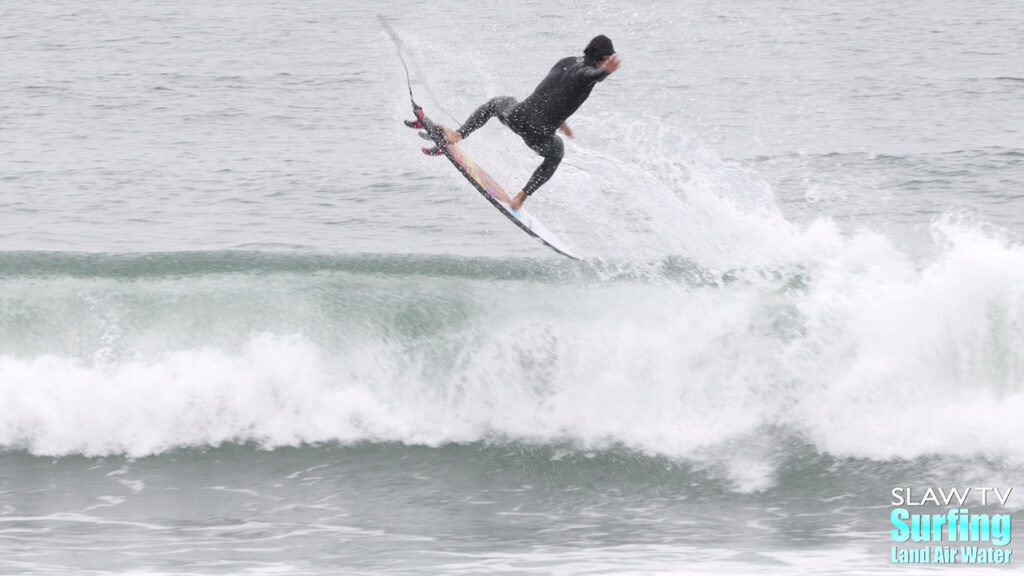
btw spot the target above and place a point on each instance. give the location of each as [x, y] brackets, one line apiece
[566, 130]
[611, 63]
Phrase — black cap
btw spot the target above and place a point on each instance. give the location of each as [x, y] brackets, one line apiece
[599, 47]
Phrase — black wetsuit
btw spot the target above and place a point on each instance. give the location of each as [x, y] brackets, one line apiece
[536, 119]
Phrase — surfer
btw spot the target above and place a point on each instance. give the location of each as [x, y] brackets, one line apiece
[537, 118]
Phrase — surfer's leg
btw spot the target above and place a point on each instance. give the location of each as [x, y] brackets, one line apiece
[493, 107]
[551, 149]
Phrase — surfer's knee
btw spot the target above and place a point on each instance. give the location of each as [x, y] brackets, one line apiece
[557, 149]
[543, 173]
[502, 105]
[552, 150]
[503, 102]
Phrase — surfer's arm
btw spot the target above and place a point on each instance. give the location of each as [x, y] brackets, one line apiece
[594, 73]
[566, 130]
[598, 73]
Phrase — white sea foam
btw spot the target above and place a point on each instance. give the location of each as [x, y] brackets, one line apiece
[866, 355]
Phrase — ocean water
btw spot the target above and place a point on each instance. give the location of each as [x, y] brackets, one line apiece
[246, 328]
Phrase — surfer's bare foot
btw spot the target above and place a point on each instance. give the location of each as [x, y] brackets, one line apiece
[517, 202]
[452, 136]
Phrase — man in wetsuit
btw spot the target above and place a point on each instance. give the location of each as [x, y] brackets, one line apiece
[536, 119]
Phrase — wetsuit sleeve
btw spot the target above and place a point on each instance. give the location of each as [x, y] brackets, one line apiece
[594, 73]
[587, 70]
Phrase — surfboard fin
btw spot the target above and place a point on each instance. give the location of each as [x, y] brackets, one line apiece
[424, 135]
[435, 151]
[415, 124]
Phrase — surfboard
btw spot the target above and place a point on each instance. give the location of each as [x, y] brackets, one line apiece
[487, 186]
